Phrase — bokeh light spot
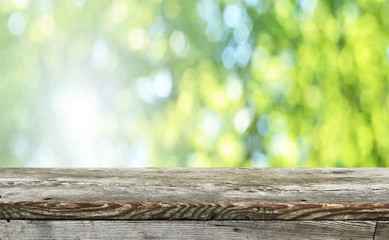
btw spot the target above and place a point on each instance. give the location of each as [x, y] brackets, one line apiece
[80, 3]
[47, 24]
[234, 89]
[99, 53]
[177, 42]
[243, 119]
[138, 39]
[232, 15]
[229, 57]
[163, 84]
[16, 23]
[22, 4]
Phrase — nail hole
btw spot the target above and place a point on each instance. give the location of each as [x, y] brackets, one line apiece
[303, 200]
[47, 198]
[8, 220]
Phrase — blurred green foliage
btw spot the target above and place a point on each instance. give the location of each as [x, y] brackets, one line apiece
[206, 83]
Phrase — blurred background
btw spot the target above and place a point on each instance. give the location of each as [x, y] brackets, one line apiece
[170, 83]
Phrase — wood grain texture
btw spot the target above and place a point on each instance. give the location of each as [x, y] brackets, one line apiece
[186, 230]
[194, 211]
[195, 194]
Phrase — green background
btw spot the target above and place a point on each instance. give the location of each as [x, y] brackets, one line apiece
[190, 83]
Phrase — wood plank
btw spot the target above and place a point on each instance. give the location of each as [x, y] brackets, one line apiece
[195, 185]
[195, 194]
[186, 230]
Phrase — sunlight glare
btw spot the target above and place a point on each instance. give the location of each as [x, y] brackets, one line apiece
[78, 113]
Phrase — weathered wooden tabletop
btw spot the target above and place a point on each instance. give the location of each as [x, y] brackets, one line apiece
[236, 203]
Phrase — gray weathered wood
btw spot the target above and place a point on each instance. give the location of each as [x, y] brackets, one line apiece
[195, 194]
[186, 230]
[382, 231]
[201, 185]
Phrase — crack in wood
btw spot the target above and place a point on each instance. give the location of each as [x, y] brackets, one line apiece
[375, 230]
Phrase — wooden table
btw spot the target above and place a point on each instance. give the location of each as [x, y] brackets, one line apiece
[229, 203]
